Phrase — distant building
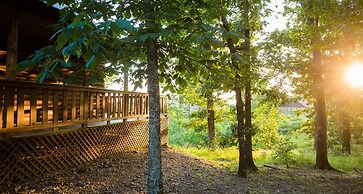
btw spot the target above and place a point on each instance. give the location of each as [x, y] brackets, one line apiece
[289, 107]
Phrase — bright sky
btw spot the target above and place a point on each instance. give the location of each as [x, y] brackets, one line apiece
[354, 75]
[276, 20]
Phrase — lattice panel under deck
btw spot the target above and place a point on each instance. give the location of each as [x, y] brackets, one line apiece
[25, 158]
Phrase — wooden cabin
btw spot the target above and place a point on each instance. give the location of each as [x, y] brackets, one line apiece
[25, 27]
[47, 127]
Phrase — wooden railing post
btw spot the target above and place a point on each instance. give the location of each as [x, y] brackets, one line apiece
[114, 103]
[99, 113]
[81, 107]
[73, 109]
[85, 106]
[65, 106]
[44, 107]
[55, 110]
[33, 107]
[1, 108]
[91, 97]
[20, 109]
[125, 109]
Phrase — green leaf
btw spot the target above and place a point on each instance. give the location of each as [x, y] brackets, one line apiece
[90, 61]
[77, 20]
[115, 29]
[126, 25]
[68, 32]
[106, 26]
[55, 34]
[239, 58]
[41, 77]
[68, 50]
[61, 41]
[144, 37]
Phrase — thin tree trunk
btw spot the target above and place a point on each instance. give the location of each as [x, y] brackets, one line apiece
[248, 94]
[242, 165]
[126, 82]
[319, 94]
[211, 127]
[345, 123]
[154, 181]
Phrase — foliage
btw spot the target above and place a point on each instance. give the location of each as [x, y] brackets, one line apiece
[266, 131]
[303, 155]
[188, 122]
[289, 123]
[283, 150]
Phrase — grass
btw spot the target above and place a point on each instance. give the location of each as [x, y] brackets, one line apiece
[304, 156]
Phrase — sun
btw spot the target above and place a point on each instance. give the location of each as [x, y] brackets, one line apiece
[354, 75]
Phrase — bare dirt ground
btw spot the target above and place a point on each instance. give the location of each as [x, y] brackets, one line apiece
[127, 173]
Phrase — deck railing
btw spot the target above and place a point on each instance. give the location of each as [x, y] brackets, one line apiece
[29, 107]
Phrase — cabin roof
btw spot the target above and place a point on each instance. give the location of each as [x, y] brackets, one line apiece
[298, 104]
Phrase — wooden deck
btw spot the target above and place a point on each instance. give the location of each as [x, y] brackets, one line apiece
[29, 108]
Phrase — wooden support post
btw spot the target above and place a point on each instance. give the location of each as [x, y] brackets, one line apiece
[9, 107]
[12, 45]
[11, 60]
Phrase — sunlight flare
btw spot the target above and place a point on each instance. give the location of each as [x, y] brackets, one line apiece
[354, 75]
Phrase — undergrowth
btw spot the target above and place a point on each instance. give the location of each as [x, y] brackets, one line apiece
[302, 156]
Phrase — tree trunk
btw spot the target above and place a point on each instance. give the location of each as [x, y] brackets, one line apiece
[320, 110]
[345, 123]
[211, 127]
[154, 181]
[126, 82]
[242, 164]
[248, 94]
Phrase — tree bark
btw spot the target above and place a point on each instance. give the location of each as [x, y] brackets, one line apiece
[242, 163]
[211, 127]
[126, 82]
[248, 94]
[319, 95]
[345, 123]
[154, 181]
